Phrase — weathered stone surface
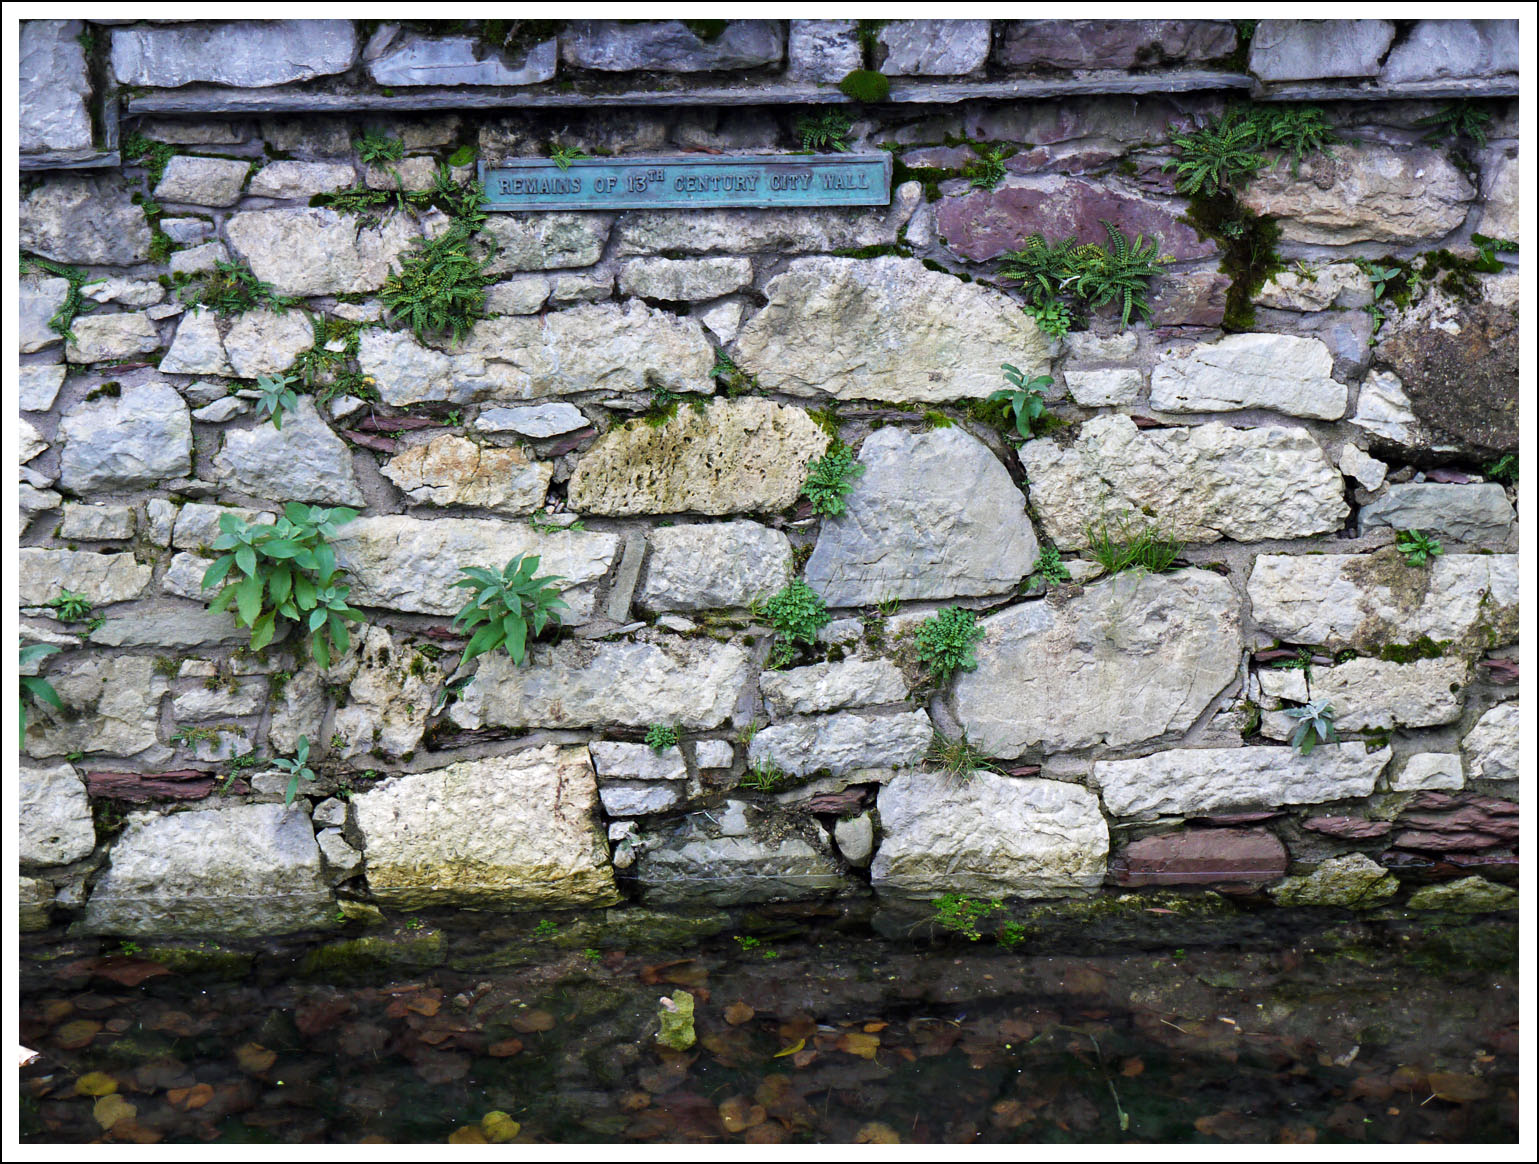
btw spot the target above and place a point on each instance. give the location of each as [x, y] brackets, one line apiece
[461, 60]
[844, 743]
[314, 251]
[735, 456]
[37, 301]
[54, 88]
[197, 260]
[179, 628]
[197, 348]
[413, 173]
[1202, 483]
[30, 442]
[1435, 49]
[1458, 364]
[637, 761]
[32, 501]
[1499, 191]
[1303, 50]
[1437, 822]
[1349, 827]
[246, 697]
[625, 798]
[341, 858]
[711, 567]
[988, 836]
[84, 220]
[1340, 600]
[582, 287]
[1190, 299]
[825, 51]
[831, 687]
[202, 181]
[1467, 895]
[506, 832]
[1184, 781]
[1350, 882]
[221, 410]
[34, 903]
[1373, 693]
[1133, 658]
[1367, 471]
[111, 337]
[1378, 193]
[684, 279]
[1283, 373]
[243, 871]
[984, 224]
[261, 343]
[244, 53]
[536, 420]
[1491, 748]
[139, 438]
[743, 859]
[521, 295]
[1103, 387]
[1384, 409]
[698, 232]
[935, 515]
[1334, 284]
[933, 48]
[670, 46]
[54, 818]
[724, 319]
[405, 563]
[112, 706]
[713, 754]
[197, 525]
[1464, 513]
[1439, 771]
[303, 461]
[540, 242]
[1111, 44]
[392, 689]
[692, 685]
[1202, 857]
[102, 578]
[451, 470]
[609, 347]
[886, 329]
[94, 523]
[285, 179]
[297, 711]
[184, 577]
[856, 838]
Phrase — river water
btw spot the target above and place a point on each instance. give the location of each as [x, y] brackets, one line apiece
[1165, 1022]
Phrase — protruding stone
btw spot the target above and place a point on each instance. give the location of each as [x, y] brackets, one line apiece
[520, 295]
[1281, 373]
[714, 566]
[1111, 44]
[102, 578]
[111, 337]
[1436, 49]
[34, 904]
[934, 515]
[197, 348]
[138, 439]
[692, 685]
[541, 242]
[202, 181]
[933, 48]
[461, 60]
[684, 279]
[1350, 882]
[286, 179]
[1304, 50]
[315, 251]
[825, 51]
[670, 46]
[54, 819]
[1340, 600]
[1203, 857]
[1467, 895]
[536, 420]
[451, 470]
[84, 220]
[1186, 781]
[244, 53]
[407, 563]
[1103, 387]
[886, 329]
[843, 743]
[54, 88]
[1384, 409]
[1430, 771]
[988, 835]
[1465, 513]
[245, 870]
[264, 342]
[507, 832]
[303, 461]
[1332, 285]
[1373, 693]
[713, 754]
[615, 758]
[831, 687]
[94, 523]
[392, 689]
[1201, 483]
[1367, 471]
[734, 456]
[1133, 658]
[1491, 748]
[37, 302]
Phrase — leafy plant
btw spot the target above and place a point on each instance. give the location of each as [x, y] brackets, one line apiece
[1378, 274]
[961, 915]
[1052, 317]
[944, 642]
[35, 687]
[733, 380]
[441, 286]
[231, 289]
[1050, 567]
[289, 576]
[661, 737]
[1417, 547]
[1091, 274]
[510, 605]
[297, 768]
[958, 757]
[1218, 157]
[830, 478]
[1296, 130]
[376, 149]
[62, 320]
[70, 607]
[277, 397]
[1025, 400]
[824, 132]
[988, 170]
[155, 155]
[764, 776]
[1316, 721]
[797, 613]
[1456, 120]
[564, 156]
[1504, 469]
[546, 928]
[1122, 544]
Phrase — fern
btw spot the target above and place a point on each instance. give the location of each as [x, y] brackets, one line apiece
[824, 132]
[1118, 272]
[1219, 157]
[441, 287]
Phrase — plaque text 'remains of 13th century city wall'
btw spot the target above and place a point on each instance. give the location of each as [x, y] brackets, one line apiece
[769, 180]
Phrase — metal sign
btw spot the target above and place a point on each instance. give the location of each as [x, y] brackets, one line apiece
[689, 182]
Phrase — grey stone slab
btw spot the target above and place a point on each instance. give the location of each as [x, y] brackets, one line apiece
[55, 88]
[243, 53]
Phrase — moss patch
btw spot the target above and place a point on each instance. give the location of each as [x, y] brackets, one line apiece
[1249, 245]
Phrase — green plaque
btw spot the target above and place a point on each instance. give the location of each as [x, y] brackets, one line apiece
[690, 181]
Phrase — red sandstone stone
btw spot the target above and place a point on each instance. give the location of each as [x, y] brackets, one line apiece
[1202, 857]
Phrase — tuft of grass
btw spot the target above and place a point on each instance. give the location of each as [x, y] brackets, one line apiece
[957, 757]
[1123, 544]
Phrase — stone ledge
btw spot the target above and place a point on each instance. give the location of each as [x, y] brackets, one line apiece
[1403, 91]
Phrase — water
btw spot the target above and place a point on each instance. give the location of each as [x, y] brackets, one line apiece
[811, 1027]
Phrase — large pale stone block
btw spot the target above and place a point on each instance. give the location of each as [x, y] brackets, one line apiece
[1187, 781]
[1283, 373]
[713, 566]
[844, 742]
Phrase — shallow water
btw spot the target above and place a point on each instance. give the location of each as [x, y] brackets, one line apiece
[811, 1028]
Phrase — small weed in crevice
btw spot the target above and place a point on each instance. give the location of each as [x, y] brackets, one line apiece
[945, 642]
[797, 613]
[1121, 543]
[830, 478]
[824, 132]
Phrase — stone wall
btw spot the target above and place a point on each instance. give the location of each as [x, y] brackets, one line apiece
[640, 408]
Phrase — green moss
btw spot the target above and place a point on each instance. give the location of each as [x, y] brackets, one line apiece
[1422, 648]
[876, 251]
[707, 30]
[365, 955]
[1249, 246]
[865, 86]
[201, 958]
